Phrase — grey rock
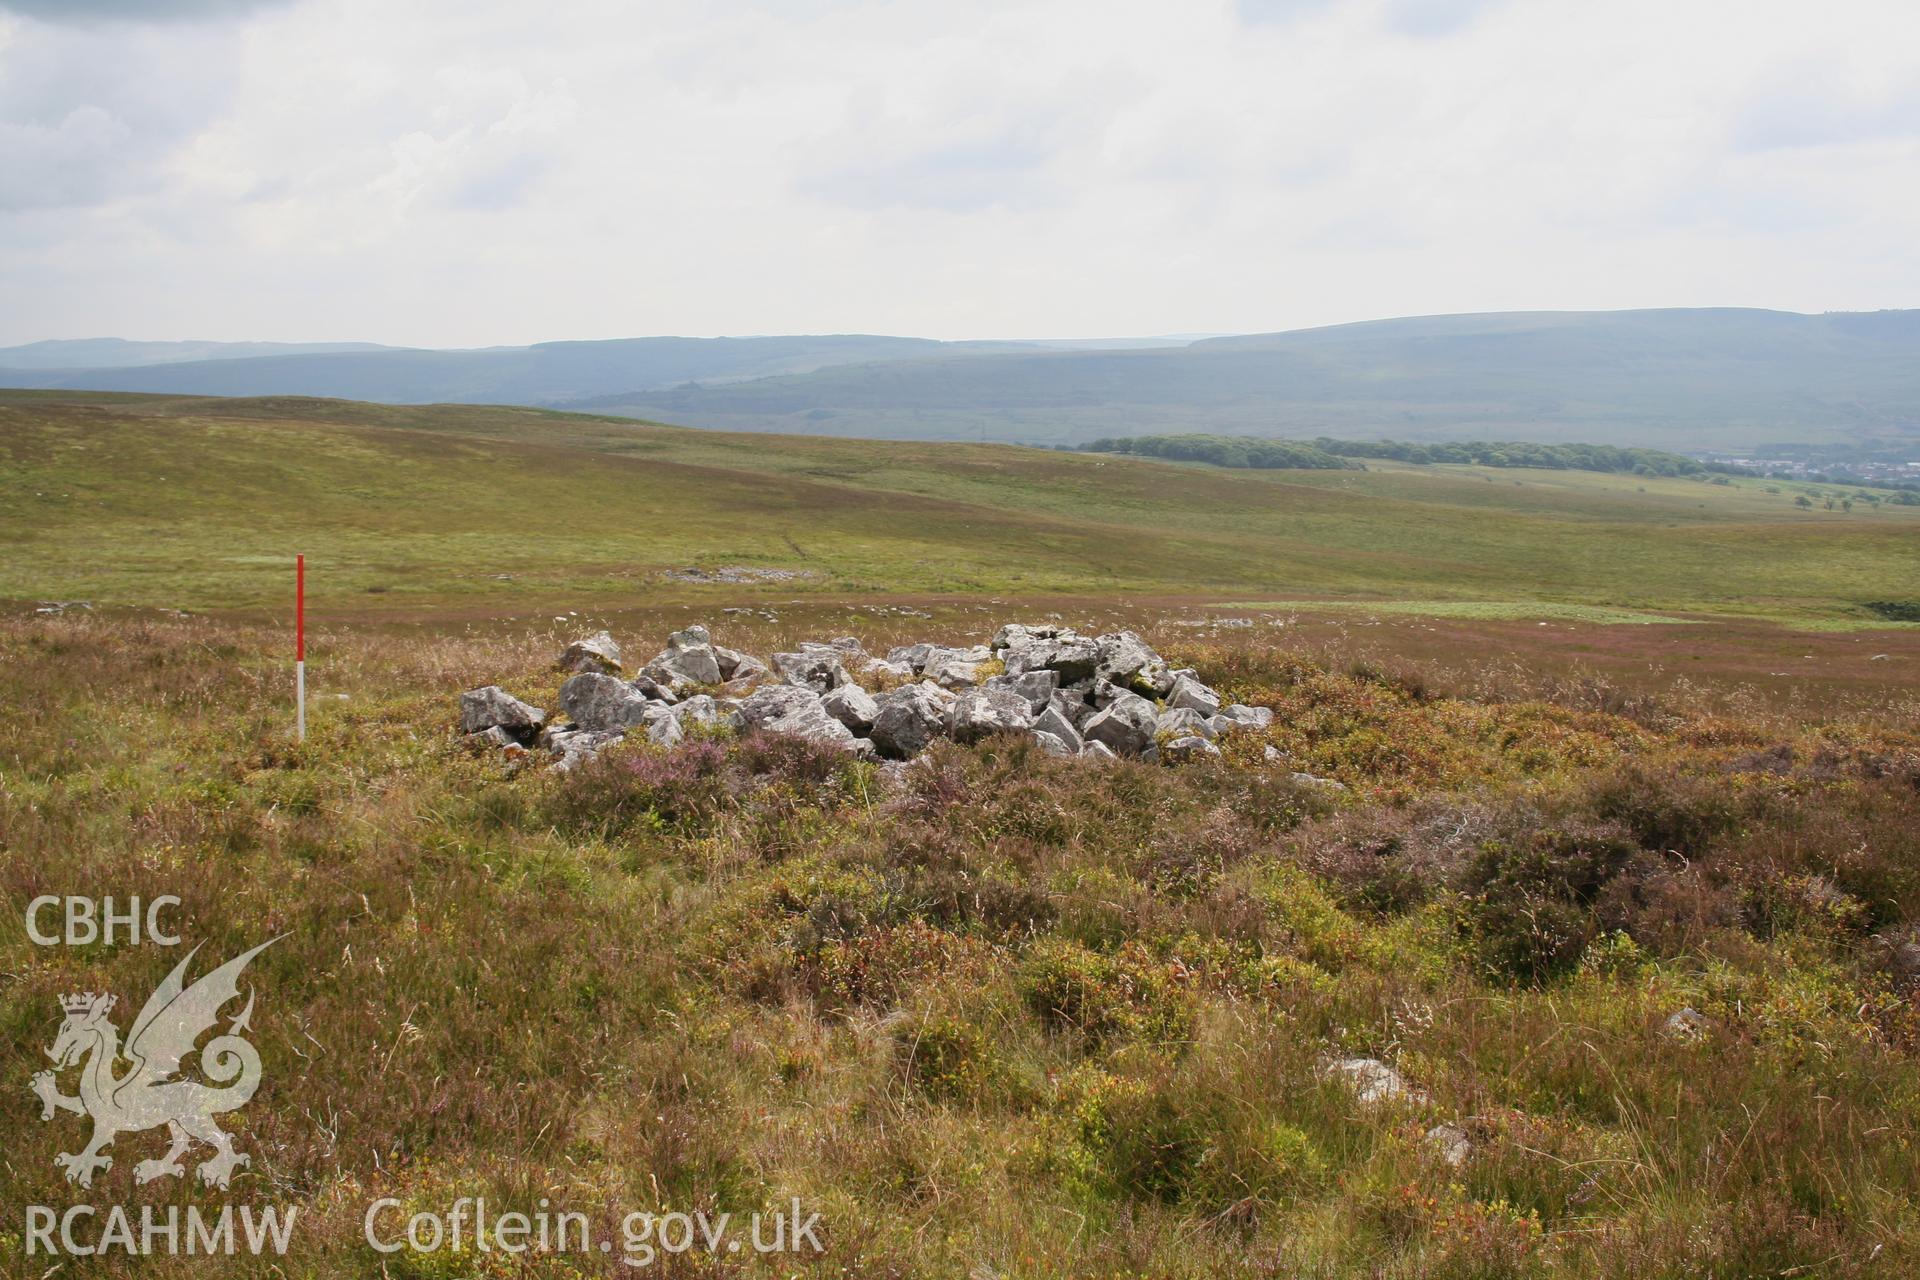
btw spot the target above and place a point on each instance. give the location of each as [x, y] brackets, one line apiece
[1126, 725]
[1037, 687]
[605, 703]
[979, 712]
[1314, 780]
[1053, 744]
[1189, 693]
[1191, 747]
[1451, 1142]
[1015, 634]
[1097, 751]
[1685, 1024]
[1075, 705]
[814, 666]
[1183, 722]
[852, 706]
[491, 707]
[912, 656]
[649, 687]
[881, 669]
[1074, 658]
[663, 727]
[492, 738]
[735, 665]
[597, 652]
[910, 717]
[1373, 1082]
[790, 709]
[1055, 722]
[953, 670]
[1128, 661]
[689, 658]
[701, 709]
[1248, 717]
[574, 747]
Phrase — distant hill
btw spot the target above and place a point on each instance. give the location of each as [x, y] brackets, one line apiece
[118, 353]
[1675, 379]
[1682, 380]
[534, 375]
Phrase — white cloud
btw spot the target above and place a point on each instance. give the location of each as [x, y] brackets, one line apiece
[484, 171]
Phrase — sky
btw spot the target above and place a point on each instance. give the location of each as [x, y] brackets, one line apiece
[479, 172]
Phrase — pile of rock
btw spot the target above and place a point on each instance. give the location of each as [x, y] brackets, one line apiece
[1104, 696]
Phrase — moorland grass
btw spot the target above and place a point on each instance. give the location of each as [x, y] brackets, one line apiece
[196, 504]
[1004, 1014]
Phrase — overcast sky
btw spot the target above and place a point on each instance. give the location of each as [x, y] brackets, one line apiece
[470, 172]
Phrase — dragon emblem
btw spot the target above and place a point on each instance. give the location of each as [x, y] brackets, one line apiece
[150, 1092]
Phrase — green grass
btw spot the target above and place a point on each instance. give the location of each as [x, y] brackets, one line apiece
[197, 503]
[1483, 610]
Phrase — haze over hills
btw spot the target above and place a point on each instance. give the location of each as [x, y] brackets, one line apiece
[68, 354]
[1677, 379]
[535, 375]
[1704, 379]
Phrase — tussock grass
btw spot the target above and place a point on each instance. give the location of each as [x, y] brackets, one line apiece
[1004, 1014]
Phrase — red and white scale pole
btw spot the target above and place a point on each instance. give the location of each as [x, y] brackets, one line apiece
[300, 646]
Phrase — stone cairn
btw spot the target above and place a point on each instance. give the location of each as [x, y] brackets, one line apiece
[1102, 696]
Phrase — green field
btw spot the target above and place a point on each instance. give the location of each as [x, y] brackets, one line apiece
[197, 504]
[992, 1014]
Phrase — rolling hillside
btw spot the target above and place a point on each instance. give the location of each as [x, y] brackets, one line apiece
[540, 374]
[195, 503]
[1689, 380]
[1695, 380]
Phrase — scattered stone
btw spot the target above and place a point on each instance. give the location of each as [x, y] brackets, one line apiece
[688, 659]
[1191, 747]
[1054, 723]
[1037, 687]
[593, 700]
[492, 707]
[1248, 717]
[815, 666]
[736, 573]
[1313, 780]
[1686, 1024]
[738, 666]
[574, 747]
[596, 652]
[1074, 658]
[1183, 722]
[910, 717]
[1373, 1082]
[1451, 1142]
[702, 709]
[1125, 659]
[492, 738]
[1189, 693]
[791, 709]
[1075, 695]
[979, 712]
[852, 706]
[952, 668]
[1126, 726]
